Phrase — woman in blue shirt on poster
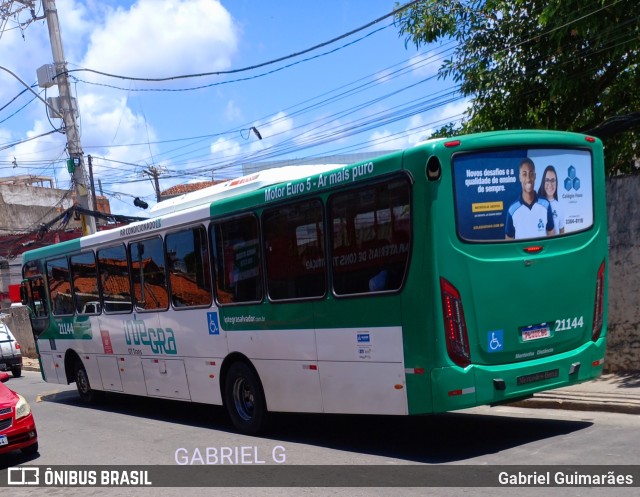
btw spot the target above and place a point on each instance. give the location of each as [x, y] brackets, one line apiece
[549, 190]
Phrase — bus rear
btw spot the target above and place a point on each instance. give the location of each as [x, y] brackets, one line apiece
[521, 268]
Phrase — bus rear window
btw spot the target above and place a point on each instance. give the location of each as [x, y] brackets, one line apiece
[518, 194]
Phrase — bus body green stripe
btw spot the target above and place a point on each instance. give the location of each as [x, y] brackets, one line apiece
[61, 248]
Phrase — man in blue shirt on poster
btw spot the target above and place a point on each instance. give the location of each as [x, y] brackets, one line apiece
[530, 216]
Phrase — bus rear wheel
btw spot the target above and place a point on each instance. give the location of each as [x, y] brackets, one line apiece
[245, 400]
[87, 394]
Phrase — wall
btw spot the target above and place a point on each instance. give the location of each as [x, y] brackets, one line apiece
[623, 211]
[27, 206]
[17, 319]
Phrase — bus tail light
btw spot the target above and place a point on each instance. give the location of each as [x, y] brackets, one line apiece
[454, 324]
[598, 306]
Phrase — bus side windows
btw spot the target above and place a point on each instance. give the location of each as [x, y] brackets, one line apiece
[115, 284]
[189, 270]
[370, 238]
[148, 275]
[85, 283]
[59, 280]
[237, 264]
[294, 251]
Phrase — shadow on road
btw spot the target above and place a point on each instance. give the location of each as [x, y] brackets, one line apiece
[439, 438]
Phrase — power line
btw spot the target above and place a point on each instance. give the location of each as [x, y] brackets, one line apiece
[238, 80]
[18, 142]
[262, 64]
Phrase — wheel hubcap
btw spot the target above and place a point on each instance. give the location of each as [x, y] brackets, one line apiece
[83, 383]
[244, 399]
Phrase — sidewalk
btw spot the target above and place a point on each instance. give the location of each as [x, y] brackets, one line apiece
[609, 393]
[30, 364]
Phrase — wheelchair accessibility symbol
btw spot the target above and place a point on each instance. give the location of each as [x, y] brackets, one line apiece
[214, 327]
[495, 340]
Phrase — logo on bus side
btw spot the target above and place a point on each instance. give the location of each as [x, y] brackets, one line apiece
[495, 340]
[213, 324]
[141, 228]
[161, 341]
[77, 328]
[330, 178]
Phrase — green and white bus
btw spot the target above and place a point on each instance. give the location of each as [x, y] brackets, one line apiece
[457, 273]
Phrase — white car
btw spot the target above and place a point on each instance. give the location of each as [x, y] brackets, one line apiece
[10, 353]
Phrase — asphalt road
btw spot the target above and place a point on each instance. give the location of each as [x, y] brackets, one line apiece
[126, 430]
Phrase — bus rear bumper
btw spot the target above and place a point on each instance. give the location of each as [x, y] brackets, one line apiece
[457, 388]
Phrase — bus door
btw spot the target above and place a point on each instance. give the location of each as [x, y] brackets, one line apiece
[191, 328]
[33, 295]
[164, 373]
[359, 327]
[266, 287]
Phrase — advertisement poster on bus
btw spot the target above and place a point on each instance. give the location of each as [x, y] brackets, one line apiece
[523, 193]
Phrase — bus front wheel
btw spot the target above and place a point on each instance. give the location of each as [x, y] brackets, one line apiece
[87, 394]
[244, 399]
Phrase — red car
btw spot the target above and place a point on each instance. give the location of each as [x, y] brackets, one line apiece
[17, 427]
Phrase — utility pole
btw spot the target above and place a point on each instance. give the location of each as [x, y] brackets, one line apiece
[68, 108]
[154, 172]
[93, 186]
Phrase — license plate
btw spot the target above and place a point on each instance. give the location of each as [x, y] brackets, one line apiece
[532, 378]
[536, 332]
[3, 440]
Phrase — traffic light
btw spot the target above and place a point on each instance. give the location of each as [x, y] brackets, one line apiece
[140, 203]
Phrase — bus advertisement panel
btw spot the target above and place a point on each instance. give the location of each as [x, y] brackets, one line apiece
[492, 187]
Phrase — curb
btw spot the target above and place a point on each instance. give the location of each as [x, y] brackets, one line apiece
[579, 404]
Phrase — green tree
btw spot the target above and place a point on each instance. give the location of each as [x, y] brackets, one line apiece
[554, 64]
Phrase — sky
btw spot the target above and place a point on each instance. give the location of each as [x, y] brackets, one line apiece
[369, 91]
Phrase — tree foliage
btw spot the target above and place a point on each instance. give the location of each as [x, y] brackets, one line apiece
[553, 64]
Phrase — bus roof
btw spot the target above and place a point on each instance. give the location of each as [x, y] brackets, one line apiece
[236, 186]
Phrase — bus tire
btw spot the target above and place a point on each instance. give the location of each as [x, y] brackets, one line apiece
[244, 399]
[87, 394]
